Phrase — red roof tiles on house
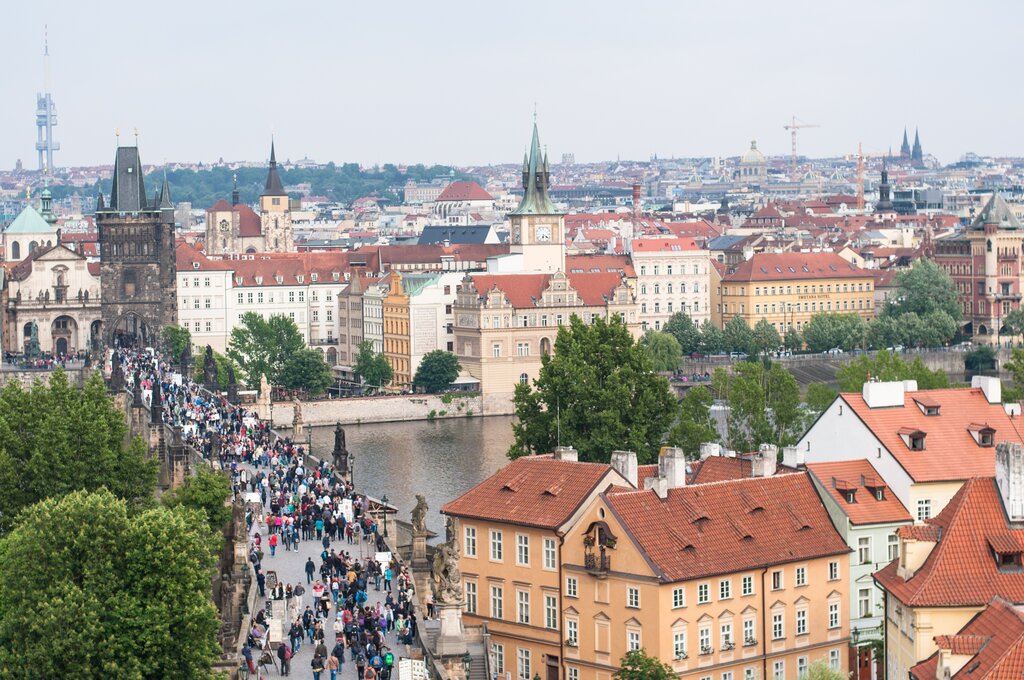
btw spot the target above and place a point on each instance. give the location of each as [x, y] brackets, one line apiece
[521, 290]
[464, 191]
[600, 263]
[994, 639]
[794, 266]
[664, 244]
[860, 477]
[693, 531]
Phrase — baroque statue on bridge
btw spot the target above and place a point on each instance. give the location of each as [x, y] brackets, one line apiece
[419, 516]
[446, 579]
[210, 371]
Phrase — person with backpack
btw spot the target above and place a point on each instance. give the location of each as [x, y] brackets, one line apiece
[360, 664]
[284, 653]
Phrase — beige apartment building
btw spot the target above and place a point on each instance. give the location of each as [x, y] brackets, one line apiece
[673, 275]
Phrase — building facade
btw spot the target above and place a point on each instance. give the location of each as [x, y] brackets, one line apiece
[673, 275]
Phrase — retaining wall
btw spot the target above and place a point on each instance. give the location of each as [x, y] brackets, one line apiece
[357, 410]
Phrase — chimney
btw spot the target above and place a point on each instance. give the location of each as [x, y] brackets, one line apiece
[624, 462]
[708, 449]
[990, 386]
[566, 453]
[883, 394]
[672, 466]
[1010, 478]
[765, 461]
[793, 457]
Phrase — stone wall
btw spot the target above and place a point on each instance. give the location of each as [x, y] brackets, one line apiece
[76, 376]
[357, 410]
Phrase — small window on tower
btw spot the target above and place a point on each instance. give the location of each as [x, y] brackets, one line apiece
[129, 282]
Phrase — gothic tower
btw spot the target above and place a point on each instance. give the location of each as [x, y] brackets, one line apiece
[905, 147]
[916, 156]
[884, 204]
[538, 229]
[275, 215]
[137, 260]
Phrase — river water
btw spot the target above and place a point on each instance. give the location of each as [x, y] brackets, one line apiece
[440, 459]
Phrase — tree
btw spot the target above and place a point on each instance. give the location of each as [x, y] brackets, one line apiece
[55, 439]
[663, 349]
[685, 331]
[694, 425]
[137, 586]
[819, 397]
[262, 346]
[712, 340]
[888, 367]
[923, 289]
[373, 368]
[1015, 367]
[764, 405]
[820, 670]
[793, 339]
[222, 362]
[598, 391]
[766, 338]
[1013, 323]
[980, 360]
[827, 330]
[886, 331]
[176, 339]
[737, 336]
[437, 371]
[638, 665]
[207, 492]
[306, 370]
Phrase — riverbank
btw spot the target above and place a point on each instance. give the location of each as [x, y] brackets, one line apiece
[383, 409]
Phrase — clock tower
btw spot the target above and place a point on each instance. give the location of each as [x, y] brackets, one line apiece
[537, 228]
[275, 214]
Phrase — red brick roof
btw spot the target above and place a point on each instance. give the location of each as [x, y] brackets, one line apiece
[464, 191]
[995, 640]
[536, 491]
[249, 223]
[524, 290]
[595, 289]
[724, 468]
[725, 527]
[860, 477]
[794, 266]
[961, 569]
[601, 263]
[664, 244]
[950, 452]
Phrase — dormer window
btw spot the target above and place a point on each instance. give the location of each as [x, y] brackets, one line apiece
[851, 495]
[913, 438]
[984, 435]
[313, 277]
[279, 279]
[301, 278]
[928, 406]
[879, 494]
[1007, 553]
[259, 280]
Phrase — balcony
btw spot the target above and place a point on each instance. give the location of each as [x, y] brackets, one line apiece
[597, 565]
[315, 342]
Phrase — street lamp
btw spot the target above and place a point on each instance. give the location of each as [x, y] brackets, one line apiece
[384, 502]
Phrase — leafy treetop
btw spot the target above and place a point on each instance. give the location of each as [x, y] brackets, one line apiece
[437, 371]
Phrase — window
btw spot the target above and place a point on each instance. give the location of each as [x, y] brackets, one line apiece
[833, 571]
[778, 630]
[571, 586]
[726, 636]
[496, 548]
[749, 638]
[801, 576]
[471, 597]
[574, 673]
[523, 349]
[833, 615]
[498, 654]
[894, 546]
[523, 658]
[469, 542]
[572, 632]
[777, 579]
[678, 598]
[704, 636]
[632, 640]
[727, 675]
[497, 602]
[864, 550]
[801, 622]
[779, 670]
[747, 587]
[725, 589]
[924, 509]
[801, 666]
[549, 553]
[496, 350]
[524, 378]
[833, 659]
[522, 550]
[633, 597]
[523, 606]
[748, 673]
[864, 602]
[209, 326]
[679, 645]
[703, 593]
[550, 611]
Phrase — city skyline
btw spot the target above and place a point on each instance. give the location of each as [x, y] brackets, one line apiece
[457, 84]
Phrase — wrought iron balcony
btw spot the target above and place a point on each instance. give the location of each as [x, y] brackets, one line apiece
[597, 564]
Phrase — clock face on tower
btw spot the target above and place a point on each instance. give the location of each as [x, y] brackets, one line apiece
[543, 233]
[223, 225]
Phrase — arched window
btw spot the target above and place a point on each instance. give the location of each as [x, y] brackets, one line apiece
[523, 379]
[988, 245]
[33, 245]
[15, 251]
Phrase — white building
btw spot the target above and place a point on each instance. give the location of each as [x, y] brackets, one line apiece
[673, 275]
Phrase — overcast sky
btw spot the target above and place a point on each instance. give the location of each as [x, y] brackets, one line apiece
[455, 81]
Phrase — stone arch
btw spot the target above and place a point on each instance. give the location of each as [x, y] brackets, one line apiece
[130, 330]
[32, 245]
[332, 356]
[64, 335]
[545, 346]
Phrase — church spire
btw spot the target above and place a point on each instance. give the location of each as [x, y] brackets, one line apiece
[905, 147]
[273, 186]
[536, 181]
[165, 194]
[916, 155]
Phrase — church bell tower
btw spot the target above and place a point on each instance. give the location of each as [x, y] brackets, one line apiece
[275, 214]
[537, 228]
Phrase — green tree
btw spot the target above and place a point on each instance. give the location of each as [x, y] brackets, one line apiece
[437, 371]
[827, 330]
[262, 346]
[766, 338]
[206, 491]
[1015, 367]
[599, 391]
[886, 331]
[694, 425]
[685, 331]
[888, 367]
[764, 405]
[222, 362]
[637, 664]
[980, 360]
[176, 339]
[664, 350]
[819, 397]
[373, 368]
[306, 370]
[923, 289]
[90, 590]
[55, 439]
[737, 336]
[820, 670]
[793, 339]
[1013, 323]
[712, 340]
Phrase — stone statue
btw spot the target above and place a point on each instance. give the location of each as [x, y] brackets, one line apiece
[445, 577]
[116, 374]
[297, 415]
[232, 386]
[136, 388]
[210, 371]
[185, 360]
[340, 453]
[156, 405]
[263, 399]
[32, 350]
[419, 516]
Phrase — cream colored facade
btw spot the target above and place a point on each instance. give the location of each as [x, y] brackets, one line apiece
[722, 636]
[396, 331]
[670, 281]
[910, 632]
[793, 302]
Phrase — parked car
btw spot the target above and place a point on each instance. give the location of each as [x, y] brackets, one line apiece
[738, 355]
[897, 348]
[834, 351]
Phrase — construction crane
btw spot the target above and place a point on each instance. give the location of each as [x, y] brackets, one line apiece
[793, 126]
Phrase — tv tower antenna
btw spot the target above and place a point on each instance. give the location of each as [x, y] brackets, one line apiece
[46, 114]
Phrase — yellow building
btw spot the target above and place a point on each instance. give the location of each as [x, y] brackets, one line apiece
[787, 289]
[396, 330]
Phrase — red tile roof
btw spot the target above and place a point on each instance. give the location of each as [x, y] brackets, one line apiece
[603, 263]
[961, 569]
[994, 639]
[950, 452]
[724, 468]
[536, 491]
[464, 191]
[521, 290]
[664, 244]
[249, 223]
[725, 527]
[595, 289]
[794, 266]
[859, 476]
